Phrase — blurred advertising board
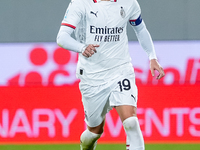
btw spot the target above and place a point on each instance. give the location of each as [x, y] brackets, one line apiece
[41, 102]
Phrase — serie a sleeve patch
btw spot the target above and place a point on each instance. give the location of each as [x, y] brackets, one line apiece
[136, 21]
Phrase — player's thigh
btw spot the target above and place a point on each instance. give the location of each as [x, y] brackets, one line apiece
[95, 103]
[126, 111]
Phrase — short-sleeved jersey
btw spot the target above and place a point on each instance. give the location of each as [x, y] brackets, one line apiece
[103, 23]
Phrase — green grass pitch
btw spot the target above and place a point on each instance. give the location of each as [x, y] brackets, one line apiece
[100, 147]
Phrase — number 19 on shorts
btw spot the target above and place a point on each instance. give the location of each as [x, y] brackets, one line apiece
[124, 85]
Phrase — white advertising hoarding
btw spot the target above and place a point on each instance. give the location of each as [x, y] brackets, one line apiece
[47, 64]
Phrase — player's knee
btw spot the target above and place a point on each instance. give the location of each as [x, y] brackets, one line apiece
[88, 139]
[97, 130]
[130, 123]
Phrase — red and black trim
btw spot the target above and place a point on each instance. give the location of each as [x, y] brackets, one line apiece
[69, 25]
[127, 147]
[95, 1]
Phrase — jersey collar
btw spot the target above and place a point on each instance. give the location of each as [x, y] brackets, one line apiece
[96, 1]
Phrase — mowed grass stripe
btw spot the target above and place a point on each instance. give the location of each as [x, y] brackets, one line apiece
[99, 147]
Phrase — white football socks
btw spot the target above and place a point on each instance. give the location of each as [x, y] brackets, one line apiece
[89, 140]
[134, 139]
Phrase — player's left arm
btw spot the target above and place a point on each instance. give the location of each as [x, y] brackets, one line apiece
[146, 42]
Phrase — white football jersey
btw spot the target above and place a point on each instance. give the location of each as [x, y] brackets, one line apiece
[103, 23]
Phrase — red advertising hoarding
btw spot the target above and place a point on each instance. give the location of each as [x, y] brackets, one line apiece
[55, 114]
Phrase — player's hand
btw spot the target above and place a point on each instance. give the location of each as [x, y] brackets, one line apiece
[90, 50]
[154, 65]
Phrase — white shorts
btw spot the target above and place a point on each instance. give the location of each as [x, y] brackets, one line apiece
[99, 99]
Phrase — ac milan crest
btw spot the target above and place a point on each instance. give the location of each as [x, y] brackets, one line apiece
[122, 12]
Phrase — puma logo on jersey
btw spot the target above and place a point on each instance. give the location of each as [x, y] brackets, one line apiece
[94, 13]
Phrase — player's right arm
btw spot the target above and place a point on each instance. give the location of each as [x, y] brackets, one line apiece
[71, 19]
[73, 16]
[65, 41]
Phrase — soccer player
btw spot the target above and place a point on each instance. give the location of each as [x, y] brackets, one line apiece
[107, 78]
